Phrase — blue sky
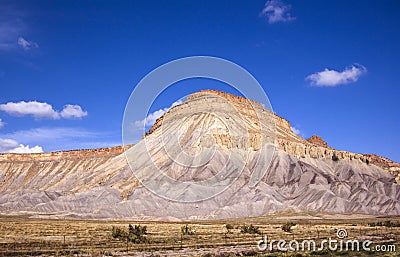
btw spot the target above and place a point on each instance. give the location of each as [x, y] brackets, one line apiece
[67, 68]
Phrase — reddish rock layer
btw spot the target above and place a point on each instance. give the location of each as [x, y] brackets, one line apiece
[317, 140]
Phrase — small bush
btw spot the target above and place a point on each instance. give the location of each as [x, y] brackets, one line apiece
[137, 230]
[187, 230]
[135, 234]
[229, 227]
[335, 158]
[118, 233]
[250, 229]
[287, 227]
[386, 223]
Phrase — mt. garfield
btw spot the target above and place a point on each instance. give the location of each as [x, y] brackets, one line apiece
[226, 156]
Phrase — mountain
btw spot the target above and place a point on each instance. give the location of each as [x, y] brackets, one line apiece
[215, 156]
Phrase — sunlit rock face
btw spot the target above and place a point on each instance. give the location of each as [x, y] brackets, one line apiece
[216, 139]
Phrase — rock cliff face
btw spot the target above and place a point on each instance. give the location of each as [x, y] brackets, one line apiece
[317, 140]
[217, 129]
[386, 164]
[64, 172]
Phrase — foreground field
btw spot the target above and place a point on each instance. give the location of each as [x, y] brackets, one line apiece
[21, 236]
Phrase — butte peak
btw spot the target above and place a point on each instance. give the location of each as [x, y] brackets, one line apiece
[317, 140]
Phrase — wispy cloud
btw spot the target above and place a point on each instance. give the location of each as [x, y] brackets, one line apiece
[57, 138]
[152, 117]
[48, 134]
[7, 144]
[13, 29]
[41, 110]
[25, 44]
[295, 130]
[9, 31]
[333, 78]
[12, 146]
[1, 123]
[277, 11]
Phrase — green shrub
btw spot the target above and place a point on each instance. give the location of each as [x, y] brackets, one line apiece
[187, 230]
[386, 223]
[118, 233]
[229, 227]
[134, 234]
[250, 229]
[287, 227]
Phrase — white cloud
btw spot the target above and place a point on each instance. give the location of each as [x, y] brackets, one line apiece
[12, 146]
[25, 44]
[26, 149]
[295, 130]
[152, 117]
[277, 11]
[332, 78]
[73, 111]
[42, 110]
[60, 138]
[36, 109]
[1, 123]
